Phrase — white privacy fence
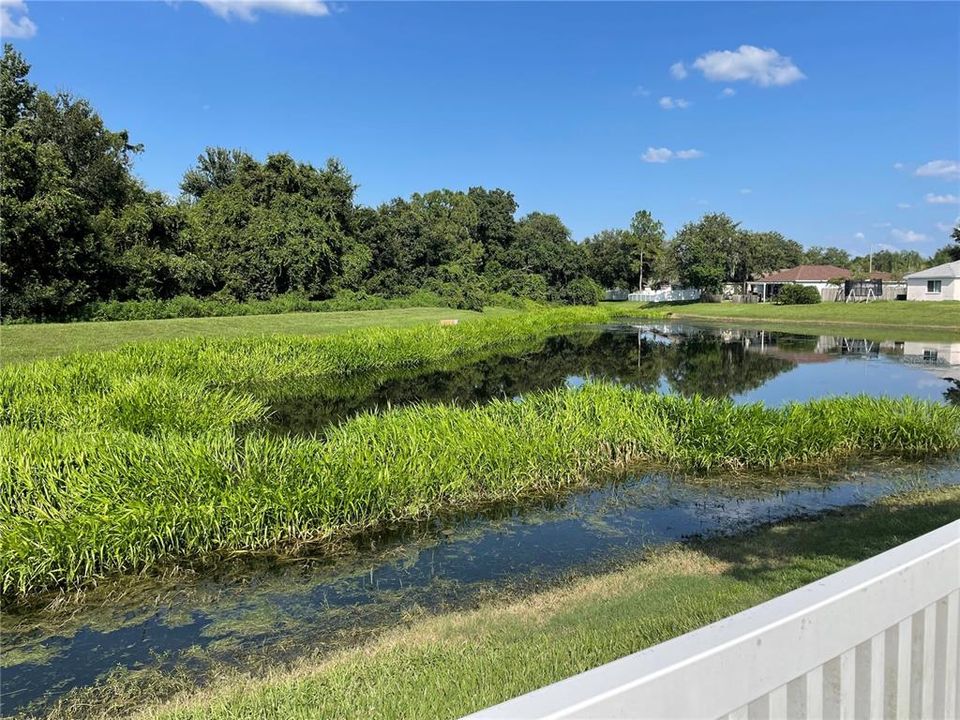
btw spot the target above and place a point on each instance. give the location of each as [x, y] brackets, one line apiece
[880, 639]
[655, 296]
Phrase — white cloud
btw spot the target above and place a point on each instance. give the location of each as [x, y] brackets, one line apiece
[678, 71]
[947, 199]
[662, 155]
[904, 206]
[669, 103]
[859, 236]
[14, 23]
[908, 235]
[745, 191]
[641, 91]
[887, 246]
[939, 168]
[247, 9]
[898, 166]
[728, 92]
[759, 66]
[882, 225]
[948, 227]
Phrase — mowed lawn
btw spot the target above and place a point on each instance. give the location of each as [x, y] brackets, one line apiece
[21, 343]
[935, 315]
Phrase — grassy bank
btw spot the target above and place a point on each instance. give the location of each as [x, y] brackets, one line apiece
[79, 504]
[186, 385]
[928, 315]
[447, 666]
[24, 343]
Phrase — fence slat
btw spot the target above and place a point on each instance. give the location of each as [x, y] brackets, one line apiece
[904, 644]
[928, 672]
[797, 699]
[877, 655]
[951, 696]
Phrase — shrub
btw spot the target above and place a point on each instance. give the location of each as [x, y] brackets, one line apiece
[582, 291]
[798, 295]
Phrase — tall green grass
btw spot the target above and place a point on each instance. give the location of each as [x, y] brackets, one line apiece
[75, 505]
[183, 384]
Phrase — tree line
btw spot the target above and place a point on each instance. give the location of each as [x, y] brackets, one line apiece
[78, 227]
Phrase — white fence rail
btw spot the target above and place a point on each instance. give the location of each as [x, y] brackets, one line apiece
[664, 296]
[880, 639]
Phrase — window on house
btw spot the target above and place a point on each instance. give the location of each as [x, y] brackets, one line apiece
[933, 286]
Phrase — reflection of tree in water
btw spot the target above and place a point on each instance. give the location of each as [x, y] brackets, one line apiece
[703, 364]
[708, 366]
[952, 393]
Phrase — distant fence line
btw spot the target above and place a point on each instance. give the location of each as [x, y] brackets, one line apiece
[652, 296]
[664, 296]
[878, 639]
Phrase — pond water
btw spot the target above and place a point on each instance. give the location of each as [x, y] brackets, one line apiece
[270, 610]
[669, 357]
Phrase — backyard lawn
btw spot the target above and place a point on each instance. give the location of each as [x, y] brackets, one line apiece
[936, 315]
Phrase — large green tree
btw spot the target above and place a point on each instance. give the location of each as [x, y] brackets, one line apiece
[272, 227]
[817, 255]
[65, 179]
[707, 253]
[625, 258]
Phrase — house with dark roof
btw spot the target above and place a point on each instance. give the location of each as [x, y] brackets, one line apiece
[832, 282]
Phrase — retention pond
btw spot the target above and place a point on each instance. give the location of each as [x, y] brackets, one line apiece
[269, 610]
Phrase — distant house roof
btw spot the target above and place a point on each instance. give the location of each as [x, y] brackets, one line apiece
[817, 273]
[947, 270]
[806, 273]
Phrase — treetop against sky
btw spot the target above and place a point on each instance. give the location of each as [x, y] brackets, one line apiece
[835, 123]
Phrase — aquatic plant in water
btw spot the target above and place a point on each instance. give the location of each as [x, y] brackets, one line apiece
[76, 505]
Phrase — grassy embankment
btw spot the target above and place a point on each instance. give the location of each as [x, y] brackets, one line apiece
[449, 665]
[24, 343]
[166, 476]
[926, 320]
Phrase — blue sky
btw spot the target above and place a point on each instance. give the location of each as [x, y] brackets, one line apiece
[837, 124]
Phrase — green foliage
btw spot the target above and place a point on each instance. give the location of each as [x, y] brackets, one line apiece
[582, 291]
[705, 252]
[896, 262]
[79, 503]
[184, 306]
[618, 258]
[817, 255]
[793, 294]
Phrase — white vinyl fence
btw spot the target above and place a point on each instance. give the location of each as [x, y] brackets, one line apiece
[880, 639]
[656, 296]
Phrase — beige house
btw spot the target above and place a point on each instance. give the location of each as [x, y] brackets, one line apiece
[941, 282]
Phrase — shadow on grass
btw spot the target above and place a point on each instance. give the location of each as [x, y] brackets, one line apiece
[782, 557]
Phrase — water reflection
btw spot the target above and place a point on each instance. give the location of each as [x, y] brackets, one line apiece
[684, 358]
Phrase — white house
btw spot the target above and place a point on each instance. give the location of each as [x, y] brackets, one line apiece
[941, 282]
